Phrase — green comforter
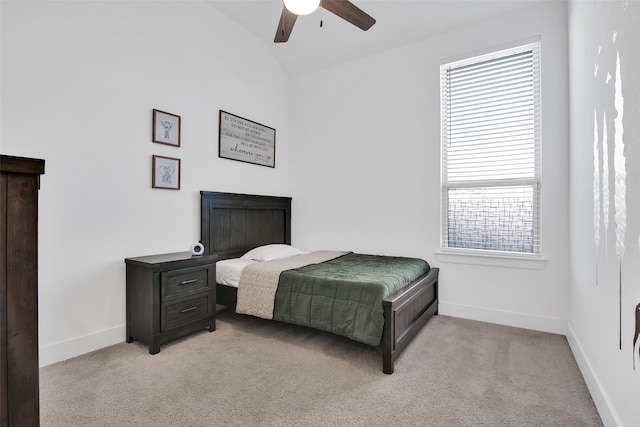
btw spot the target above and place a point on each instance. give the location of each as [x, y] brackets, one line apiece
[344, 296]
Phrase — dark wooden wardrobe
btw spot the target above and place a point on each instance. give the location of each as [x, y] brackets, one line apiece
[19, 387]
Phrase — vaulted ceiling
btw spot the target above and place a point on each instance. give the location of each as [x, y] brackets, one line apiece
[399, 22]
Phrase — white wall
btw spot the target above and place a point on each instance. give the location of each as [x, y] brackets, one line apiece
[79, 81]
[605, 288]
[365, 140]
[78, 84]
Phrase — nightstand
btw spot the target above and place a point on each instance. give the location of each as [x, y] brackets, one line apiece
[169, 296]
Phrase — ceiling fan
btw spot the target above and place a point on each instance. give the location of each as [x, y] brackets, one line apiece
[342, 8]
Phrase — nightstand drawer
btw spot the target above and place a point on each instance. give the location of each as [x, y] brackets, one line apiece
[178, 314]
[182, 282]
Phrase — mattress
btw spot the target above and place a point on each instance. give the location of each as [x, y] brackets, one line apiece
[228, 271]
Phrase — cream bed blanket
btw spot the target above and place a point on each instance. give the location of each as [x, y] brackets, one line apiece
[259, 281]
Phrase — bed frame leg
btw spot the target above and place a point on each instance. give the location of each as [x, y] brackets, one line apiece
[387, 364]
[387, 339]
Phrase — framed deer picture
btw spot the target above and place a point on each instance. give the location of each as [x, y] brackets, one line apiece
[166, 128]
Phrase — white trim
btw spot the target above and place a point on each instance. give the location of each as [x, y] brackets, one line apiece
[490, 51]
[507, 318]
[600, 398]
[73, 347]
[492, 260]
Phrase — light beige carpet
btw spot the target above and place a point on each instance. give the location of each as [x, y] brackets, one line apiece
[254, 372]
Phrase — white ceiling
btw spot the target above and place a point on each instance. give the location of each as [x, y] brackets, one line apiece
[399, 22]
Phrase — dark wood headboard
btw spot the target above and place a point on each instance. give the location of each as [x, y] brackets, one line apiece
[232, 224]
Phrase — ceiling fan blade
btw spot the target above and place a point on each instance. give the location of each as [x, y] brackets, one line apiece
[349, 12]
[285, 26]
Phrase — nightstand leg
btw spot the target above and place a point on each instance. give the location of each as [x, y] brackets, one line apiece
[154, 348]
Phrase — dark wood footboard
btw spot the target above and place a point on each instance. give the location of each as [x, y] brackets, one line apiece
[405, 313]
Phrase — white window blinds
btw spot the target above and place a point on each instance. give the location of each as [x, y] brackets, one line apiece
[490, 110]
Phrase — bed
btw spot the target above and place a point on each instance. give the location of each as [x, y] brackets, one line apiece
[233, 224]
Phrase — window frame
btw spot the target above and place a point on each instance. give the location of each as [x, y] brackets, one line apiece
[475, 255]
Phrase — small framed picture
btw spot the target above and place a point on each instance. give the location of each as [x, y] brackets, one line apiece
[166, 128]
[165, 173]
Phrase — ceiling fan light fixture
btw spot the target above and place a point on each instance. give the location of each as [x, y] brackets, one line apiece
[301, 7]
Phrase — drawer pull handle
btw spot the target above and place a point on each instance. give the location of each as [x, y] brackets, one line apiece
[186, 310]
[188, 282]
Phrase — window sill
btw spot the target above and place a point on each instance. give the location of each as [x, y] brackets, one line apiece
[492, 260]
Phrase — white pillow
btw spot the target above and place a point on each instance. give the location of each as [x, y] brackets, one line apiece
[271, 252]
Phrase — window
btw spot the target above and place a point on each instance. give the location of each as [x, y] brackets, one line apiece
[490, 113]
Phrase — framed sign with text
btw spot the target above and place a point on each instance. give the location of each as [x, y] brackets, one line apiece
[246, 141]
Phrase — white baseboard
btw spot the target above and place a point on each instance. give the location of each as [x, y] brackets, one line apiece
[600, 398]
[507, 318]
[73, 347]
